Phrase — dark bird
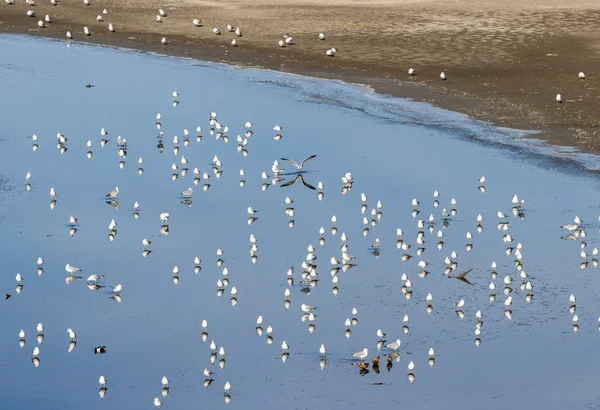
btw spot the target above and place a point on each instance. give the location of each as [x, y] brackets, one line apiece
[100, 350]
[8, 296]
[89, 85]
[462, 276]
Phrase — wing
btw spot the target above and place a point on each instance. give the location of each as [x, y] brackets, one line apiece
[306, 184]
[291, 161]
[307, 159]
[464, 280]
[292, 182]
[462, 275]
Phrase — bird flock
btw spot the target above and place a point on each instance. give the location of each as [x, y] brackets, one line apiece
[419, 247]
[412, 249]
[286, 41]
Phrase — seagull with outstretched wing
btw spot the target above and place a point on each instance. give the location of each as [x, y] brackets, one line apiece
[299, 167]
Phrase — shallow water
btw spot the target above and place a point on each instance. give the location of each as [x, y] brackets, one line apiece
[396, 150]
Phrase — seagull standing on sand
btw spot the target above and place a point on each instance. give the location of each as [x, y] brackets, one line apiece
[558, 98]
[443, 76]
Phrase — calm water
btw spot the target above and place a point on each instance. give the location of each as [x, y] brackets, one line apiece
[396, 150]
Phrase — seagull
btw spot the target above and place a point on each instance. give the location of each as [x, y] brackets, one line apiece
[322, 350]
[71, 269]
[362, 354]
[102, 381]
[165, 381]
[581, 76]
[394, 345]
[321, 36]
[299, 167]
[443, 76]
[114, 193]
[412, 71]
[187, 192]
[71, 333]
[558, 98]
[196, 22]
[157, 402]
[94, 278]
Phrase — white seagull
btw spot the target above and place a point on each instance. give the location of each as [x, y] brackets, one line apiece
[299, 167]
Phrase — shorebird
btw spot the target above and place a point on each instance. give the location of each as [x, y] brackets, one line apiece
[163, 41]
[443, 76]
[71, 269]
[299, 167]
[395, 345]
[558, 98]
[581, 76]
[412, 71]
[113, 194]
[322, 350]
[196, 22]
[362, 354]
[321, 36]
[111, 28]
[94, 278]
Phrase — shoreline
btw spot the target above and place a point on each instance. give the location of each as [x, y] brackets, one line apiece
[468, 91]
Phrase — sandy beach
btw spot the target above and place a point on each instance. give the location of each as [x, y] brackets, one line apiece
[505, 61]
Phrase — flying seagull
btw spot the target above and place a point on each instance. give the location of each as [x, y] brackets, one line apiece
[462, 276]
[301, 178]
[299, 167]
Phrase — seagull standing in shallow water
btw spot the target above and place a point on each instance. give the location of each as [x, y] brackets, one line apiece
[362, 354]
[114, 193]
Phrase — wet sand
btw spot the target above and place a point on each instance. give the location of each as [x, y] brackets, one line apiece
[505, 61]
